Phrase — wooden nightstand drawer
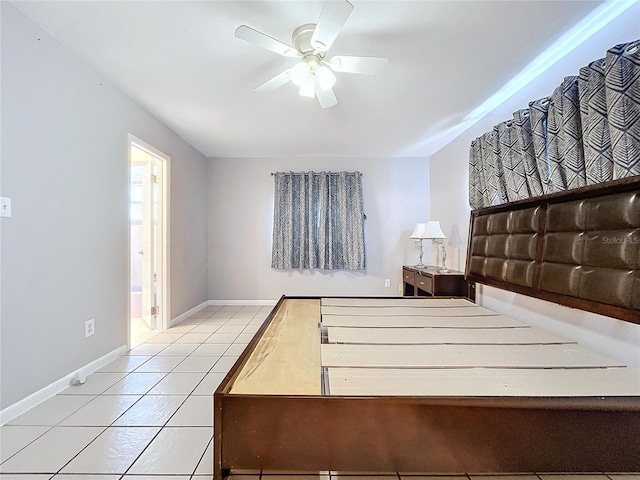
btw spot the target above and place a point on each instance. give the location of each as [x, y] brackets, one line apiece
[408, 276]
[424, 283]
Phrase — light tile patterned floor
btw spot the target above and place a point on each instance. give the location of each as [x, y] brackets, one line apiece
[149, 414]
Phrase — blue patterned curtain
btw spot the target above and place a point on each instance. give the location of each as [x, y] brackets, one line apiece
[622, 78]
[507, 150]
[476, 174]
[586, 132]
[564, 137]
[538, 112]
[596, 136]
[318, 221]
[525, 149]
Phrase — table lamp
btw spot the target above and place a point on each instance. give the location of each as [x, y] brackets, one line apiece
[433, 231]
[419, 233]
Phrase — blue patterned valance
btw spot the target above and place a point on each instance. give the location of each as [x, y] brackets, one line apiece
[586, 132]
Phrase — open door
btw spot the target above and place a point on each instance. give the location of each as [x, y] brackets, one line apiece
[148, 252]
[148, 241]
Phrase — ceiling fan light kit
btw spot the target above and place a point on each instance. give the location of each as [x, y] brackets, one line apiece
[326, 78]
[307, 89]
[299, 73]
[313, 74]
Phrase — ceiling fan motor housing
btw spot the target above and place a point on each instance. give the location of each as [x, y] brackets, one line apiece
[310, 56]
[302, 40]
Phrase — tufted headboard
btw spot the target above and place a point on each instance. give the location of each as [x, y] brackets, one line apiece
[579, 248]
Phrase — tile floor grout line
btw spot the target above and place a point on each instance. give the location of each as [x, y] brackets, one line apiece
[174, 413]
[39, 436]
[82, 450]
[202, 456]
[141, 452]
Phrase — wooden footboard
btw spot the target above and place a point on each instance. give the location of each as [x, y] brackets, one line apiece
[445, 435]
[276, 411]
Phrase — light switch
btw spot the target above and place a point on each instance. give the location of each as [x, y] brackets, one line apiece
[5, 207]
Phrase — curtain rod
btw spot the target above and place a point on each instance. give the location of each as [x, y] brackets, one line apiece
[304, 173]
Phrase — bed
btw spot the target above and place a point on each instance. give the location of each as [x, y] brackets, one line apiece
[442, 385]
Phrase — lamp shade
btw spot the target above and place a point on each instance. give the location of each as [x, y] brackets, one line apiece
[419, 231]
[433, 230]
[430, 229]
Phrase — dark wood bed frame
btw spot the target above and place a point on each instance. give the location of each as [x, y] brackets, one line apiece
[529, 247]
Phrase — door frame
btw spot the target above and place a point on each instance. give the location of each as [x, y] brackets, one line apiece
[164, 170]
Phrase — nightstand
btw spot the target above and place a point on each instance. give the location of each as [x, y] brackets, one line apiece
[426, 282]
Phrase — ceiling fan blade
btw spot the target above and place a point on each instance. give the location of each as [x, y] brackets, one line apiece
[333, 17]
[275, 82]
[326, 97]
[362, 65]
[260, 39]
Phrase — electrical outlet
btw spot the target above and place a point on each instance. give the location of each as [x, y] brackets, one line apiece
[387, 282]
[5, 207]
[89, 327]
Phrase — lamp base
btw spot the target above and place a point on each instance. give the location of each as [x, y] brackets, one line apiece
[420, 265]
[443, 268]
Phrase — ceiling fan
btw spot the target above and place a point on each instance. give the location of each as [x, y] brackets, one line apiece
[313, 74]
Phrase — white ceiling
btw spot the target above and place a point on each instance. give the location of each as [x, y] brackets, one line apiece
[181, 61]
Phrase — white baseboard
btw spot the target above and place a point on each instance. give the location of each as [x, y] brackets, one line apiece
[268, 303]
[188, 313]
[18, 408]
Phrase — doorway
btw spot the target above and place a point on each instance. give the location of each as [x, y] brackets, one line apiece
[148, 241]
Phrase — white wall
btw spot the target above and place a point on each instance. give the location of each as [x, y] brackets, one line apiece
[450, 204]
[64, 251]
[396, 197]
